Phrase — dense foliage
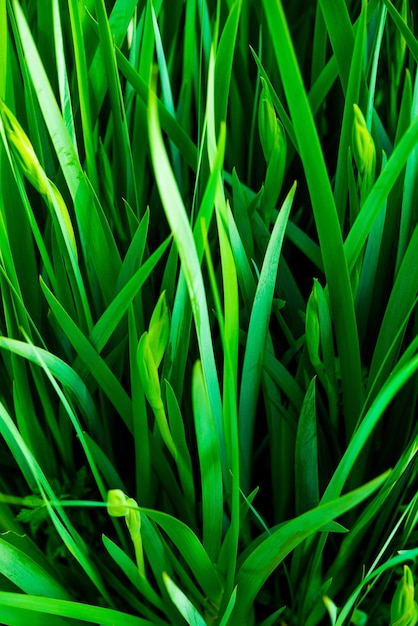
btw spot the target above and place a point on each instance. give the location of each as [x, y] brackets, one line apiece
[208, 323]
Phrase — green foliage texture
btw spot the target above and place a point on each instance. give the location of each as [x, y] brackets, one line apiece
[208, 312]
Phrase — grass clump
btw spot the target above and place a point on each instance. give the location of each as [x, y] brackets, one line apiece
[208, 244]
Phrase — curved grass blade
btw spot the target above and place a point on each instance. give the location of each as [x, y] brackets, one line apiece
[73, 610]
[13, 615]
[181, 229]
[62, 372]
[391, 563]
[97, 242]
[263, 559]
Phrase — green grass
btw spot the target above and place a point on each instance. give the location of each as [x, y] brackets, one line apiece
[208, 321]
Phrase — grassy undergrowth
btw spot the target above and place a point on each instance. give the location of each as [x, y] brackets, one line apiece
[208, 325]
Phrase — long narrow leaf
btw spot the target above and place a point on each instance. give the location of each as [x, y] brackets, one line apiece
[324, 209]
[257, 333]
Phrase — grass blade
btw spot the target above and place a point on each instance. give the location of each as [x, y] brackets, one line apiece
[324, 209]
[180, 226]
[267, 555]
[73, 610]
[257, 334]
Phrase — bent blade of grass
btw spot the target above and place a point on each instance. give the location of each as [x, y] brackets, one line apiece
[62, 372]
[96, 238]
[182, 232]
[324, 210]
[267, 555]
[37, 235]
[256, 339]
[73, 610]
[26, 415]
[22, 152]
